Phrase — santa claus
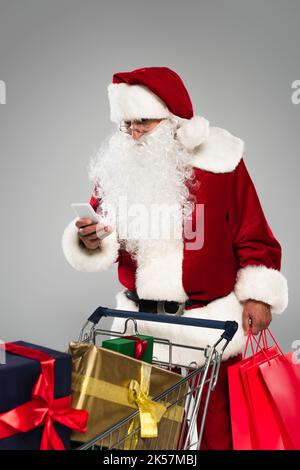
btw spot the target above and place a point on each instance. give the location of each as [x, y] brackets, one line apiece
[182, 218]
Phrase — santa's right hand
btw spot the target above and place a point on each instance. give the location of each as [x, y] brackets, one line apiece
[91, 234]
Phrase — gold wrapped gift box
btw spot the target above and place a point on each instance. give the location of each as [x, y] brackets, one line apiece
[111, 386]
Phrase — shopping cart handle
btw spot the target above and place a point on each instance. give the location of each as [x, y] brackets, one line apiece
[229, 327]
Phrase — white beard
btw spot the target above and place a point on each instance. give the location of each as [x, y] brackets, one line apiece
[140, 184]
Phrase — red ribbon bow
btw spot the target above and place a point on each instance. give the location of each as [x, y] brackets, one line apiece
[140, 346]
[43, 409]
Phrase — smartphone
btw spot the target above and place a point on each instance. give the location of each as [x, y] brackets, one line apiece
[84, 210]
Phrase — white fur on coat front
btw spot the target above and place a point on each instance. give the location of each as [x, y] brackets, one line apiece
[160, 271]
[83, 259]
[223, 309]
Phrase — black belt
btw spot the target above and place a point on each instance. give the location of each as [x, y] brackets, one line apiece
[168, 306]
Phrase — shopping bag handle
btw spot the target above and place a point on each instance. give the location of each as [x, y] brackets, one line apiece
[229, 327]
[261, 343]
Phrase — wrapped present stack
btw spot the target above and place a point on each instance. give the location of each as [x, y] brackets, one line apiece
[111, 386]
[35, 401]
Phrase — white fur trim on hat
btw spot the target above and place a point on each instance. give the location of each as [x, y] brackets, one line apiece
[265, 284]
[134, 102]
[223, 309]
[193, 132]
[83, 259]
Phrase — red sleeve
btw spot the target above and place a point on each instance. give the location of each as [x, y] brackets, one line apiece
[253, 240]
[94, 201]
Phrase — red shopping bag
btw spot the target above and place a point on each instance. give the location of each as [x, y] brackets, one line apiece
[265, 428]
[244, 431]
[281, 377]
[243, 437]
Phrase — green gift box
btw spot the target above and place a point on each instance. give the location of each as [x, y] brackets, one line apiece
[129, 346]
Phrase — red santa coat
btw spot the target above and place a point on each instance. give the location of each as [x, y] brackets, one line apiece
[239, 259]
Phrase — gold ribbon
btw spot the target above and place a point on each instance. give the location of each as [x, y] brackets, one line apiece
[113, 393]
[136, 395]
[150, 412]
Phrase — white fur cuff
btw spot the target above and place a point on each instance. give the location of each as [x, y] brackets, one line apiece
[83, 259]
[265, 284]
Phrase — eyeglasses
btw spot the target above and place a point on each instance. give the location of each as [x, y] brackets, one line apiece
[138, 125]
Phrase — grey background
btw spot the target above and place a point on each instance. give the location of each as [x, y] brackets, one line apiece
[238, 60]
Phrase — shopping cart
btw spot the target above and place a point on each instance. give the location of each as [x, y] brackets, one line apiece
[185, 394]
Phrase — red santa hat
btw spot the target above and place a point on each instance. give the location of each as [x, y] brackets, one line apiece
[154, 93]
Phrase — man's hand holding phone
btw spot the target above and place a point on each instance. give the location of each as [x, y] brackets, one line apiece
[91, 233]
[90, 228]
